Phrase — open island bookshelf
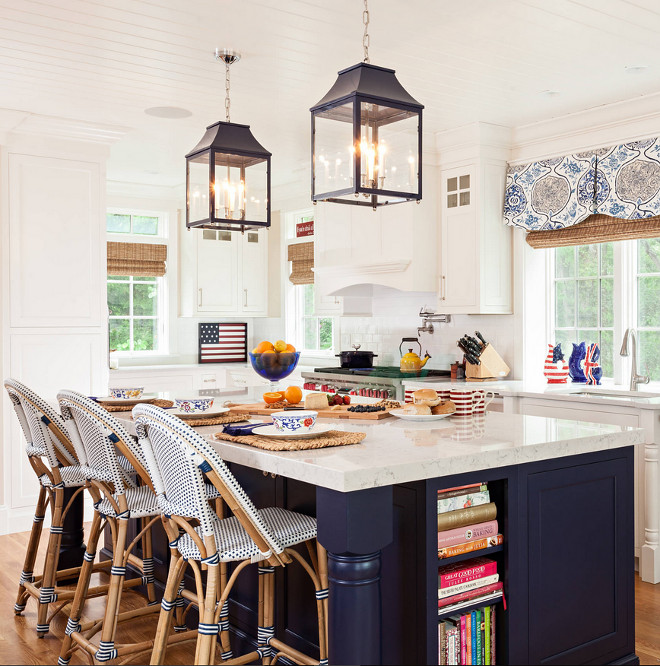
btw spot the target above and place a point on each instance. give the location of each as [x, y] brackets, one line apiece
[566, 561]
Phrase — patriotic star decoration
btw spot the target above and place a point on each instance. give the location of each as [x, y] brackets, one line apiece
[557, 354]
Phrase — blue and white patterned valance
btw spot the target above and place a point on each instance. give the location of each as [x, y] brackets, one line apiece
[621, 181]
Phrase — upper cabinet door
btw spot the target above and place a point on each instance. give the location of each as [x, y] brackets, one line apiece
[56, 256]
[217, 272]
[459, 270]
[253, 296]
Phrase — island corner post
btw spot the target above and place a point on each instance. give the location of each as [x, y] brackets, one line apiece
[354, 527]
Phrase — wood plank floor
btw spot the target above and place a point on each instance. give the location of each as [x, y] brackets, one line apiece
[19, 643]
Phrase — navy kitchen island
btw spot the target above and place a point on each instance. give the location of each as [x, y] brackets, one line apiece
[564, 492]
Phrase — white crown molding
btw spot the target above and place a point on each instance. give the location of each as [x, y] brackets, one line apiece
[20, 122]
[474, 141]
[610, 124]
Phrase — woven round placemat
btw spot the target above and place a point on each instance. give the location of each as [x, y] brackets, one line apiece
[165, 404]
[236, 417]
[332, 438]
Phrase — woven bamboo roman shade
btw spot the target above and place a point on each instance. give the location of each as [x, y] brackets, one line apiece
[138, 259]
[596, 229]
[301, 256]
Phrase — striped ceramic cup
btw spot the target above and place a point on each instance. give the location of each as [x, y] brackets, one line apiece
[465, 401]
[485, 398]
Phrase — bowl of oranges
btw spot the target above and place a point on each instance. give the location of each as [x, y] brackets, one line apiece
[274, 361]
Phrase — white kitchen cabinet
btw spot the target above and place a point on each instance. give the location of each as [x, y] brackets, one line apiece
[229, 272]
[254, 273]
[475, 274]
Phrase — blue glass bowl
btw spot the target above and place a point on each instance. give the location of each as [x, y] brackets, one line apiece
[274, 366]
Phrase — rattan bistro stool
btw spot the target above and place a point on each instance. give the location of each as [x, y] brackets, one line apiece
[53, 458]
[100, 439]
[177, 459]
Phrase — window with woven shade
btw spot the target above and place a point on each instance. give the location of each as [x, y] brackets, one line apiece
[136, 282]
[301, 256]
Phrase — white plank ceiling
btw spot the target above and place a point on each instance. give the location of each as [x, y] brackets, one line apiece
[465, 60]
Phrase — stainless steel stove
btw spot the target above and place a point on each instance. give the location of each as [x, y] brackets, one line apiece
[376, 382]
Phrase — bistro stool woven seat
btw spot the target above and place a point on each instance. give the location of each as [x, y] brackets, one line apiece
[54, 459]
[289, 528]
[100, 439]
[179, 460]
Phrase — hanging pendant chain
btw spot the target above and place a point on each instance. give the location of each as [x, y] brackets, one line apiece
[227, 102]
[365, 37]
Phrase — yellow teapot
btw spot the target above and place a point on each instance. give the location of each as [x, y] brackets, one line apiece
[410, 362]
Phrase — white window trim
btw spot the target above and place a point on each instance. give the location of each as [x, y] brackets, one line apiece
[163, 283]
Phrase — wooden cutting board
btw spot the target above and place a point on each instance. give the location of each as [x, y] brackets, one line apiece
[259, 409]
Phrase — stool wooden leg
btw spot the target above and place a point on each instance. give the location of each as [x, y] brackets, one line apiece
[78, 604]
[174, 576]
[205, 642]
[148, 560]
[322, 558]
[31, 554]
[117, 574]
[47, 592]
[269, 615]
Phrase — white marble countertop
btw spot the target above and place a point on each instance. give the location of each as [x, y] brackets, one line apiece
[396, 451]
[608, 393]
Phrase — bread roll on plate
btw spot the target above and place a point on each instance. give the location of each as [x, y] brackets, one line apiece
[417, 409]
[427, 397]
[444, 408]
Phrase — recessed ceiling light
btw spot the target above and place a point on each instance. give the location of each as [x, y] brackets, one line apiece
[636, 69]
[550, 93]
[168, 112]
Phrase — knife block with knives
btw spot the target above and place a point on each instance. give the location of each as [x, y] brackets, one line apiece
[482, 362]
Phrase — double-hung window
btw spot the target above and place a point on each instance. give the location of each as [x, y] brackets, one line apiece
[597, 291]
[311, 332]
[137, 300]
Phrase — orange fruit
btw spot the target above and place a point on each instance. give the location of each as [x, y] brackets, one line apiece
[291, 348]
[293, 395]
[270, 398]
[263, 346]
[280, 346]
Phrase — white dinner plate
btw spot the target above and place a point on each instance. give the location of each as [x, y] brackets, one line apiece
[401, 414]
[272, 431]
[211, 412]
[109, 400]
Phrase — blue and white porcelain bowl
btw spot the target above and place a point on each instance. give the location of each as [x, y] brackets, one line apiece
[294, 421]
[193, 405]
[127, 393]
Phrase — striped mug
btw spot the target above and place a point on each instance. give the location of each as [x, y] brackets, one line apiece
[465, 401]
[483, 401]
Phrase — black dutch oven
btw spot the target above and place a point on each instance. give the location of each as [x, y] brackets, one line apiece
[356, 359]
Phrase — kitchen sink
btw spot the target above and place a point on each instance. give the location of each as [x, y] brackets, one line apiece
[606, 393]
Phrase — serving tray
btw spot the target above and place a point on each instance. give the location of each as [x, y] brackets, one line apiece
[259, 409]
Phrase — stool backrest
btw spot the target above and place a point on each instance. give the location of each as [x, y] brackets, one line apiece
[177, 458]
[43, 428]
[103, 438]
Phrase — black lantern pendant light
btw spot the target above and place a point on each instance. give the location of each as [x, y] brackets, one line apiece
[367, 138]
[228, 174]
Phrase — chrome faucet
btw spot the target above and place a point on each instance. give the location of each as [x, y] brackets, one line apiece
[634, 377]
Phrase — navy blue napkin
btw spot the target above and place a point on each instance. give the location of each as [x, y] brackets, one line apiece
[241, 430]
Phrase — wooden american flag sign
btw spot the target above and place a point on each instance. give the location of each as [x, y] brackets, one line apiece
[222, 343]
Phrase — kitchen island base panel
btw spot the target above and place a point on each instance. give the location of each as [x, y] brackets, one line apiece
[354, 528]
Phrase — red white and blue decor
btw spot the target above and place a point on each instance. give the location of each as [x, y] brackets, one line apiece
[592, 370]
[222, 343]
[575, 363]
[556, 368]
